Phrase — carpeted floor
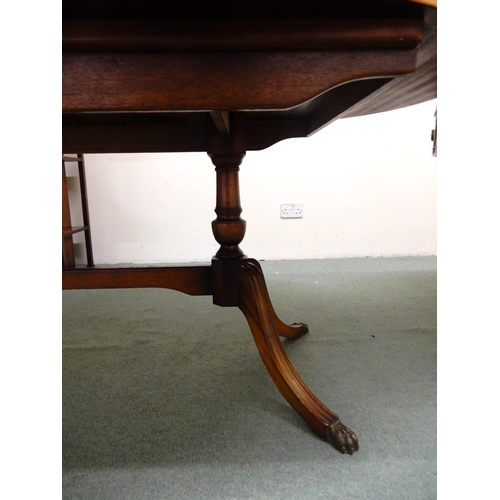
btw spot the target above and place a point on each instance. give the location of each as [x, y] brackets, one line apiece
[165, 395]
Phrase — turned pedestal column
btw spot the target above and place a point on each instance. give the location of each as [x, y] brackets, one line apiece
[227, 150]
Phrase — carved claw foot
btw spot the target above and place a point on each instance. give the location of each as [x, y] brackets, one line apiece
[342, 438]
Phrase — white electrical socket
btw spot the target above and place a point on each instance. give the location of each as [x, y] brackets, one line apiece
[292, 211]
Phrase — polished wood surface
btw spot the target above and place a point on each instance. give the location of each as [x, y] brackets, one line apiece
[192, 280]
[227, 77]
[291, 68]
[205, 80]
[255, 305]
[237, 35]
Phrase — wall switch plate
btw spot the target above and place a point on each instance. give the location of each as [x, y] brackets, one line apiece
[292, 211]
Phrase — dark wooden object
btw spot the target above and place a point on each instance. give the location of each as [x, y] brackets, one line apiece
[228, 77]
[68, 230]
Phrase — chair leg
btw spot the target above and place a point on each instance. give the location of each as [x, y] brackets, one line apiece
[68, 252]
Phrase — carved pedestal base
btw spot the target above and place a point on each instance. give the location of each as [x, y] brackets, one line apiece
[238, 281]
[233, 280]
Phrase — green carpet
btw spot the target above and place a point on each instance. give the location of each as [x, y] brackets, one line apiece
[165, 395]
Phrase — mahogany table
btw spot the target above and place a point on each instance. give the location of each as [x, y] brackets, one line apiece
[226, 77]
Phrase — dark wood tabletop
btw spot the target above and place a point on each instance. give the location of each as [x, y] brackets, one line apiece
[143, 76]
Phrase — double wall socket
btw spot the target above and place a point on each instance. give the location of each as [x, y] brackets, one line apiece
[292, 211]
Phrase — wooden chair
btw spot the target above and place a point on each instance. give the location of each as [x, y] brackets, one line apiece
[68, 230]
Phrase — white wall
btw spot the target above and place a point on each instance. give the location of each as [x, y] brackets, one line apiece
[368, 186]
